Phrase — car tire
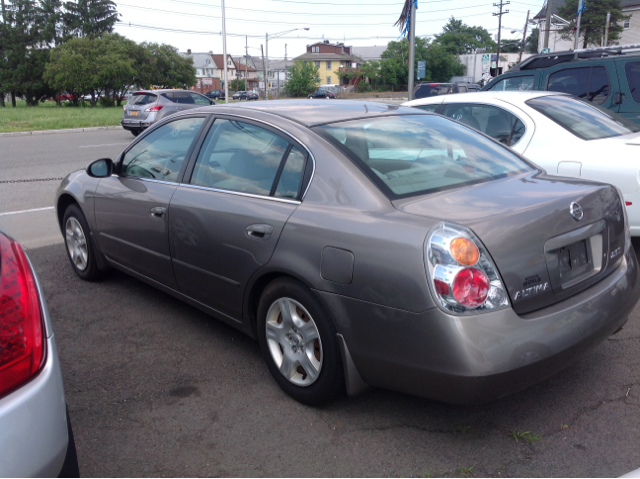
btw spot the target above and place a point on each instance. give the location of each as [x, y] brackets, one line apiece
[70, 467]
[79, 245]
[135, 132]
[309, 370]
[327, 97]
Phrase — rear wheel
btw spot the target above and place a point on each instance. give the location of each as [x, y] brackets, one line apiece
[79, 246]
[299, 344]
[135, 132]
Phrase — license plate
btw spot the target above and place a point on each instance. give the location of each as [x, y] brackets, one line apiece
[573, 257]
[134, 113]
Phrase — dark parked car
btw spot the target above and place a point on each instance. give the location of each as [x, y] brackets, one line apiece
[149, 106]
[424, 90]
[362, 244]
[609, 77]
[322, 93]
[214, 94]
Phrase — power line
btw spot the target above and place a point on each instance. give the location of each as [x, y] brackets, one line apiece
[360, 25]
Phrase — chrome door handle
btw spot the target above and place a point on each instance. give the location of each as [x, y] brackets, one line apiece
[260, 232]
[157, 212]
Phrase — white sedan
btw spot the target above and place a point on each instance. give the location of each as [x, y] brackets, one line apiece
[563, 134]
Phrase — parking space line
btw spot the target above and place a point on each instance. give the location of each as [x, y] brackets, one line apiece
[26, 211]
[106, 144]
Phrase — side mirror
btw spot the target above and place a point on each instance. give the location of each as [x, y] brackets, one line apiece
[101, 168]
[211, 102]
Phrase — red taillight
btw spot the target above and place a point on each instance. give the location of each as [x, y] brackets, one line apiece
[471, 287]
[628, 203]
[124, 107]
[21, 327]
[154, 108]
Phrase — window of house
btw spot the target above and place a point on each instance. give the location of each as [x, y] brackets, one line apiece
[328, 80]
[317, 79]
[315, 49]
[627, 24]
[318, 64]
[328, 65]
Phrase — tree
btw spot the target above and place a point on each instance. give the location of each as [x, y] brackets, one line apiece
[22, 53]
[510, 46]
[90, 17]
[167, 69]
[459, 38]
[531, 42]
[303, 78]
[237, 84]
[593, 21]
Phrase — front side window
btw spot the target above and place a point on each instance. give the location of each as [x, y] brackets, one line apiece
[583, 119]
[184, 98]
[160, 154]
[242, 157]
[495, 122]
[417, 154]
[589, 83]
[199, 99]
[519, 83]
[632, 70]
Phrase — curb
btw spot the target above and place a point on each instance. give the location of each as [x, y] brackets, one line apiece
[55, 132]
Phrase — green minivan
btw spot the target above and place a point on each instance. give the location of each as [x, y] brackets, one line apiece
[609, 77]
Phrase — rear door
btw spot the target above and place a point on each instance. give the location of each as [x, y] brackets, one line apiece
[227, 215]
[629, 77]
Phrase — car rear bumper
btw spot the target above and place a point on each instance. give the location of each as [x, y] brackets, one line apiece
[134, 124]
[33, 424]
[479, 358]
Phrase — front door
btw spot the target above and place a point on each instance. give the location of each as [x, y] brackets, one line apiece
[131, 207]
[227, 215]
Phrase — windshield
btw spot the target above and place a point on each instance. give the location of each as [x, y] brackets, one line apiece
[416, 154]
[583, 119]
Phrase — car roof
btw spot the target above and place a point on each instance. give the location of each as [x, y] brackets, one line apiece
[475, 97]
[163, 90]
[318, 112]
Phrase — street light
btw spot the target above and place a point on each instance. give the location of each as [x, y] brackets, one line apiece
[266, 48]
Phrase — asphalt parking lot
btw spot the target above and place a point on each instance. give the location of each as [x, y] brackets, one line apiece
[157, 388]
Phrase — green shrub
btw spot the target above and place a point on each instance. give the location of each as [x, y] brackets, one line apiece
[107, 102]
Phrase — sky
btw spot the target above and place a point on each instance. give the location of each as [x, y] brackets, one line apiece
[197, 24]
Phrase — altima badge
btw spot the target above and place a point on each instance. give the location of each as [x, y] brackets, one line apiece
[576, 211]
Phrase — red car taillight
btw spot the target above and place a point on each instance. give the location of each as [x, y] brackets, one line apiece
[463, 277]
[154, 108]
[22, 344]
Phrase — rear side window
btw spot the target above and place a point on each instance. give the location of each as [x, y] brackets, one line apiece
[583, 119]
[143, 99]
[199, 99]
[495, 122]
[428, 107]
[519, 83]
[183, 98]
[242, 157]
[632, 70]
[588, 83]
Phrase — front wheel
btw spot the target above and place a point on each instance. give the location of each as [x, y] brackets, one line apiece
[80, 250]
[298, 342]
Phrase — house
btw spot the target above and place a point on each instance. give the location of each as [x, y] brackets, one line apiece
[248, 72]
[206, 72]
[330, 58]
[630, 34]
[219, 62]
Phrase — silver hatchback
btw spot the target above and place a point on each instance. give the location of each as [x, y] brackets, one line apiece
[148, 106]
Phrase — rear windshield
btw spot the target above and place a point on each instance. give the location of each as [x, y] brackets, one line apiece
[585, 120]
[416, 154]
[434, 89]
[142, 99]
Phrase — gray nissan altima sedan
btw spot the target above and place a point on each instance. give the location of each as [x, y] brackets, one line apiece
[362, 244]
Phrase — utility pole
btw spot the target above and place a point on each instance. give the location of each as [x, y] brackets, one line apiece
[412, 48]
[606, 30]
[547, 25]
[524, 36]
[224, 52]
[580, 8]
[246, 63]
[4, 20]
[266, 66]
[499, 15]
[285, 64]
[264, 73]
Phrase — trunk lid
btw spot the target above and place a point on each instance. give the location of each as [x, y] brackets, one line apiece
[136, 106]
[543, 254]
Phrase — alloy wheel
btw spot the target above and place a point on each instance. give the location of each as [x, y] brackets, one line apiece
[76, 243]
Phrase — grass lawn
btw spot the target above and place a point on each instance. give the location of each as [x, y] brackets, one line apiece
[47, 116]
